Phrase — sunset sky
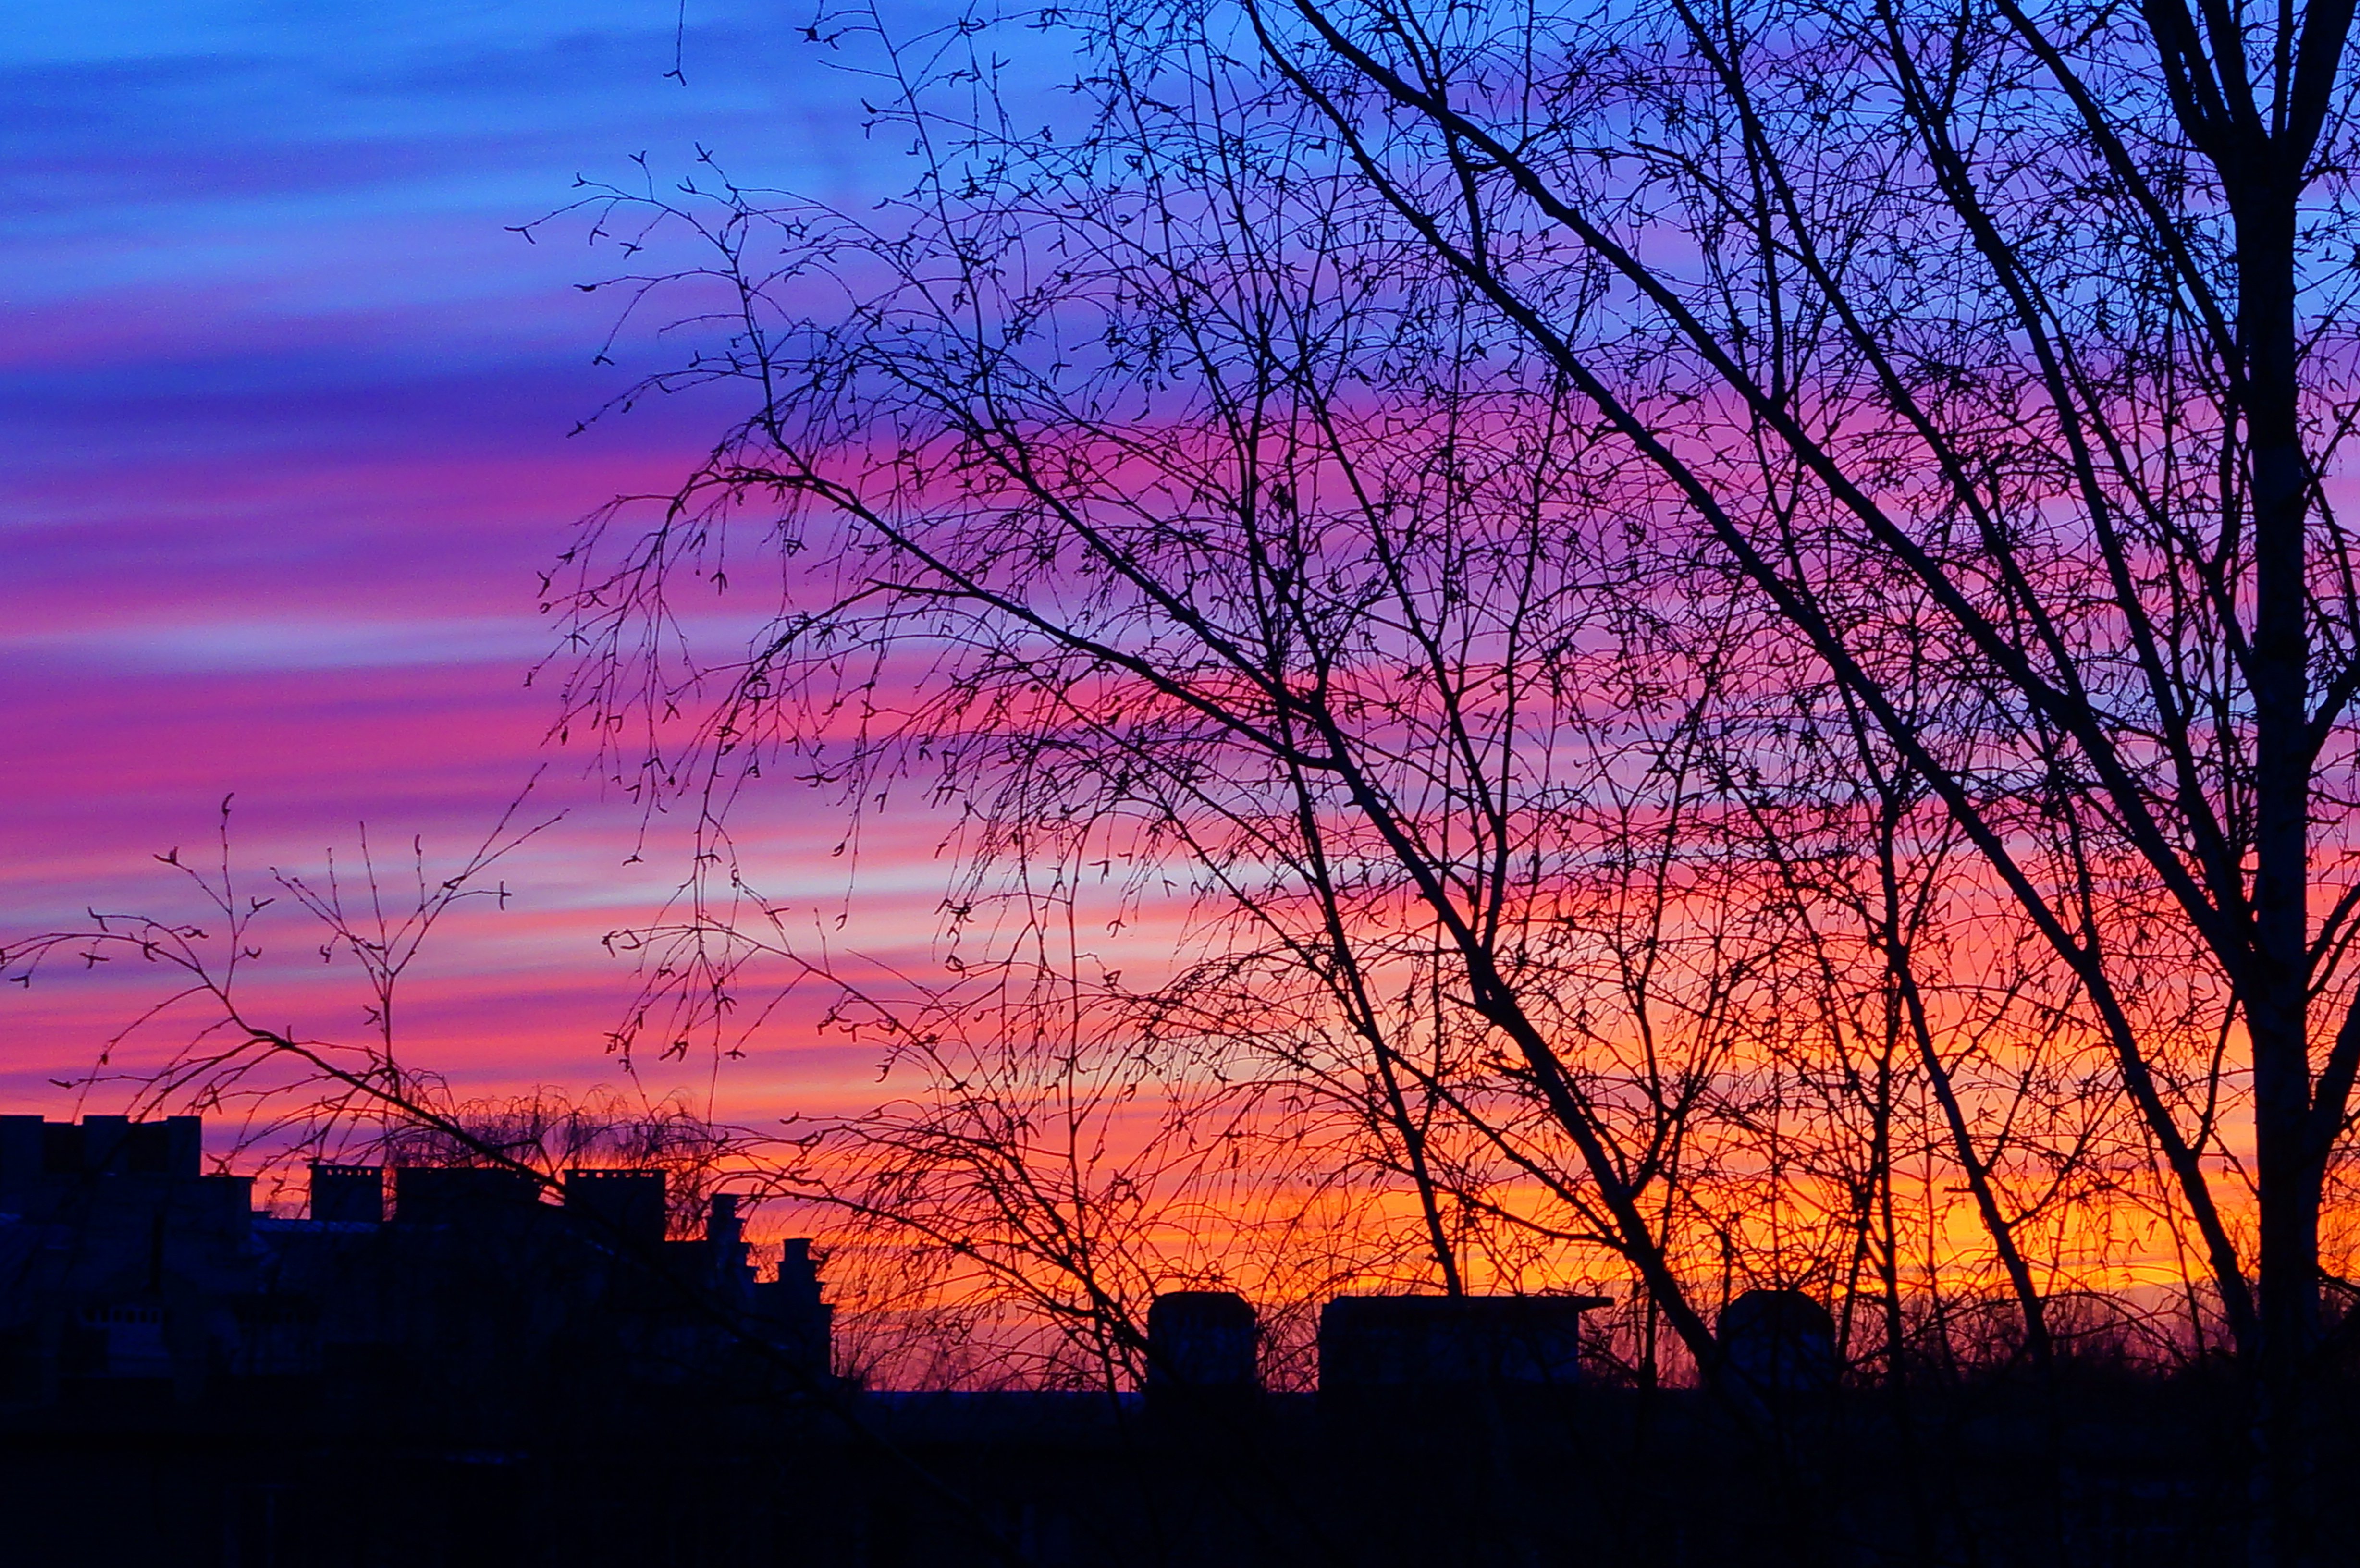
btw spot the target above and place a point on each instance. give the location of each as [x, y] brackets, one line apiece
[287, 410]
[312, 379]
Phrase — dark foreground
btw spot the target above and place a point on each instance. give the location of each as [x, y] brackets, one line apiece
[2127, 1471]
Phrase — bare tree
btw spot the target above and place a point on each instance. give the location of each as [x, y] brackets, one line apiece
[2043, 315]
[207, 1032]
[1220, 564]
[1354, 456]
[200, 1039]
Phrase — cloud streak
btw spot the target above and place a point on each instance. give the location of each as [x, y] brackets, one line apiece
[287, 405]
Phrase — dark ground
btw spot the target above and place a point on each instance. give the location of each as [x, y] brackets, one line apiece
[2126, 1471]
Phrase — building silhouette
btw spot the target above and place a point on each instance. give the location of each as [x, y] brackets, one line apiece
[124, 1266]
[1779, 1342]
[442, 1367]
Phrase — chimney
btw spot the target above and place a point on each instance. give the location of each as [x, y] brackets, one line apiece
[800, 1324]
[721, 1226]
[1199, 1341]
[20, 1154]
[462, 1195]
[184, 1146]
[105, 1143]
[625, 1206]
[348, 1194]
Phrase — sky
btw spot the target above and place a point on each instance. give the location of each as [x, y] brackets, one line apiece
[286, 407]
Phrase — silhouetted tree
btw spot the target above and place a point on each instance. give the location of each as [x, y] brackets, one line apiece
[1422, 475]
[2024, 329]
[205, 1037]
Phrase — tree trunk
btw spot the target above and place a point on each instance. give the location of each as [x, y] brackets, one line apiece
[2275, 991]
